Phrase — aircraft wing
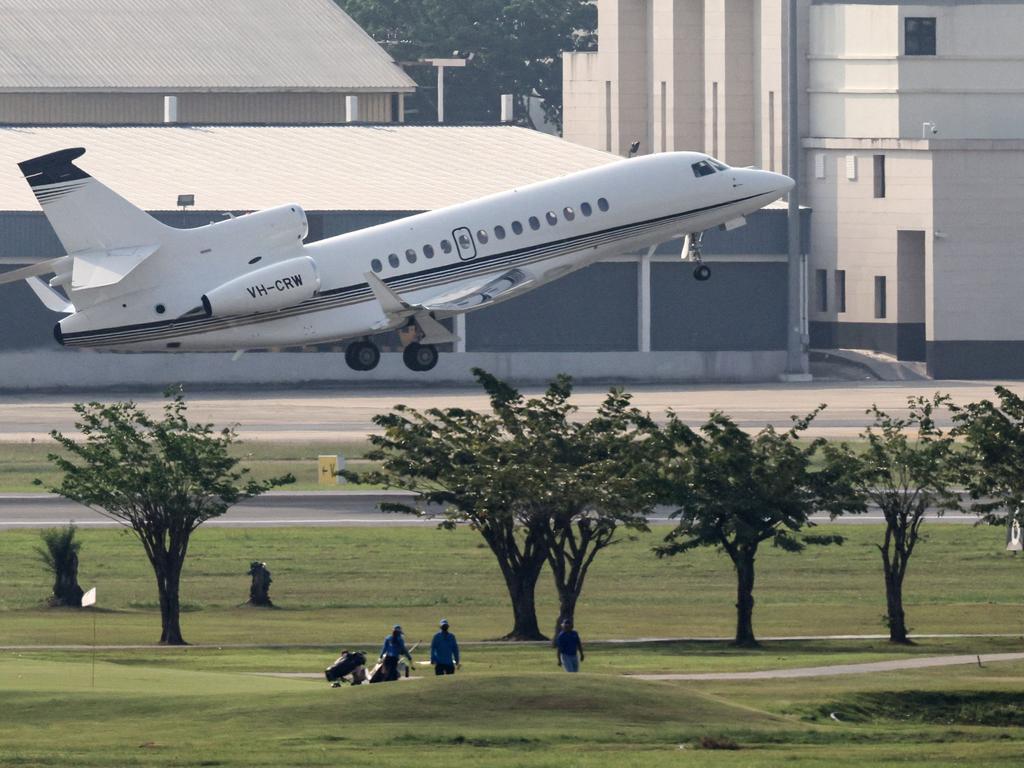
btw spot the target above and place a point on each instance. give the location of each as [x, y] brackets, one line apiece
[498, 288]
[396, 309]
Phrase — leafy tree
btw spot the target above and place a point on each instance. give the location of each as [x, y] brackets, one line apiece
[516, 48]
[162, 478]
[535, 484]
[59, 553]
[993, 466]
[583, 477]
[459, 460]
[910, 466]
[735, 491]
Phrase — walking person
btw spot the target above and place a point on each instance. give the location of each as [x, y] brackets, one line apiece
[444, 651]
[570, 648]
[394, 646]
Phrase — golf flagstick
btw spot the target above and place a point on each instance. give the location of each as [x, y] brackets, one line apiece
[89, 598]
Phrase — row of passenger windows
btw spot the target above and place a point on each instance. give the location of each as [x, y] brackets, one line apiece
[483, 236]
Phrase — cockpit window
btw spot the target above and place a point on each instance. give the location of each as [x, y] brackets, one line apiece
[718, 164]
[702, 168]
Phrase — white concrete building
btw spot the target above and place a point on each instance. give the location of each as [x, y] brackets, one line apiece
[912, 125]
[915, 173]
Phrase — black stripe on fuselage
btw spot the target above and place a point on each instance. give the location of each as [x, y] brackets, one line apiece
[354, 294]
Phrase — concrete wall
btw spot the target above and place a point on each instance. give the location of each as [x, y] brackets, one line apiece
[199, 108]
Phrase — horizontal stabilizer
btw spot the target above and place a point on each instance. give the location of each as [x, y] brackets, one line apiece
[52, 300]
[101, 268]
[60, 264]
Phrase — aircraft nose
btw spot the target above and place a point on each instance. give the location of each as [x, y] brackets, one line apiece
[780, 183]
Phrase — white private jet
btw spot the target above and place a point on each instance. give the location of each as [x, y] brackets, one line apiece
[132, 283]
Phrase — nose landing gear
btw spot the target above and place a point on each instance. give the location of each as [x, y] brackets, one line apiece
[693, 252]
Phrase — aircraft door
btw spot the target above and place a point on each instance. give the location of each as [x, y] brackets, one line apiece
[464, 243]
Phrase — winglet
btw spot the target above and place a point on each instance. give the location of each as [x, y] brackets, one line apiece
[389, 301]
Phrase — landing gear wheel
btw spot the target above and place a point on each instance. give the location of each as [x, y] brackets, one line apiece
[702, 273]
[420, 357]
[362, 356]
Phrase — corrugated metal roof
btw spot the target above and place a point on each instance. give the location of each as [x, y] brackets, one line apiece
[327, 168]
[189, 45]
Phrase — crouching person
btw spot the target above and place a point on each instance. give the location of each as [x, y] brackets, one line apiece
[394, 647]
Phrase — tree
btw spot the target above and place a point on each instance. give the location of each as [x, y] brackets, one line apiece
[59, 553]
[516, 48]
[582, 477]
[735, 491]
[910, 465]
[458, 459]
[993, 464]
[162, 478]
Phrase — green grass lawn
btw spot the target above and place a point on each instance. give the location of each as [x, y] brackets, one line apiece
[509, 705]
[23, 463]
[349, 585]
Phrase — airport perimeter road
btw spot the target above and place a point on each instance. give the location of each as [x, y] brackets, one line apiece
[290, 508]
[345, 415]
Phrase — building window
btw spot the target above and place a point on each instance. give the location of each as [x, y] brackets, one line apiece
[919, 36]
[517, 228]
[840, 290]
[879, 297]
[821, 289]
[879, 175]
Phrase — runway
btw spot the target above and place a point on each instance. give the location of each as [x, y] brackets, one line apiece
[345, 414]
[297, 508]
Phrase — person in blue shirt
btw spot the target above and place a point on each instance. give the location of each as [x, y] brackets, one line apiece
[444, 651]
[570, 648]
[394, 646]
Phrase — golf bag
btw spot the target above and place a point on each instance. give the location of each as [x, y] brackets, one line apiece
[382, 674]
[350, 663]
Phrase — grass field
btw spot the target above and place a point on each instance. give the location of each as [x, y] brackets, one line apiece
[509, 706]
[23, 463]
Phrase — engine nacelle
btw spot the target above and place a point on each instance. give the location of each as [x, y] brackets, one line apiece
[267, 289]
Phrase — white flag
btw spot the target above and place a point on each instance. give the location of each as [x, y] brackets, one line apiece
[89, 598]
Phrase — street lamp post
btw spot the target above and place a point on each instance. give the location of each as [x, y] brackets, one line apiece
[440, 64]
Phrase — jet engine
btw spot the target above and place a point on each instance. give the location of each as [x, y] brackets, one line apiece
[267, 289]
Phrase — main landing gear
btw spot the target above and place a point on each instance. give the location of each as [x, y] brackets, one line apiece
[420, 357]
[362, 355]
[693, 251]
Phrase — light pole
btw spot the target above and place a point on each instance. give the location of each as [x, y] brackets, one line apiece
[440, 64]
[796, 358]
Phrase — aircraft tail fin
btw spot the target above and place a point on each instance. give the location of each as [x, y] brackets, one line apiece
[85, 214]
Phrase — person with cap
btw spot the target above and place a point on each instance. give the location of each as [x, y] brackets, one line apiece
[444, 651]
[570, 648]
[394, 646]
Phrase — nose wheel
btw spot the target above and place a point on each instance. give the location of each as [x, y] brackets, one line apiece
[693, 252]
[420, 357]
[362, 355]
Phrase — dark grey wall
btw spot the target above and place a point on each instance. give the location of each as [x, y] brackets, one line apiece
[976, 359]
[742, 307]
[904, 340]
[592, 310]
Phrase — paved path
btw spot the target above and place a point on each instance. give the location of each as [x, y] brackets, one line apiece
[295, 508]
[843, 669]
[344, 414]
